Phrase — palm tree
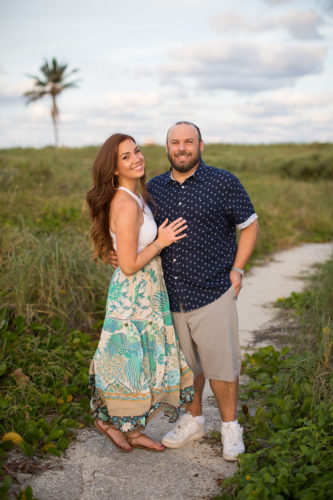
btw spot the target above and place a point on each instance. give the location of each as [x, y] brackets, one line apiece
[51, 83]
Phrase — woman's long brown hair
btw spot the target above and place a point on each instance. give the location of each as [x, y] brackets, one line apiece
[105, 184]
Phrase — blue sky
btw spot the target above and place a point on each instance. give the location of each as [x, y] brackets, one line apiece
[255, 71]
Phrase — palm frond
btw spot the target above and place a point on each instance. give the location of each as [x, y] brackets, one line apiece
[33, 95]
[69, 85]
[75, 70]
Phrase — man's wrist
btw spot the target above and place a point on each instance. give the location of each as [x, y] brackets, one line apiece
[238, 269]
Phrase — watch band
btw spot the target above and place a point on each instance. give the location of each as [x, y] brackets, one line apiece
[241, 271]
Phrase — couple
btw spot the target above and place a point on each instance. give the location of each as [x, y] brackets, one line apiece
[138, 367]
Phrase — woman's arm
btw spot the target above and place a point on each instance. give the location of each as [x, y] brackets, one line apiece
[127, 228]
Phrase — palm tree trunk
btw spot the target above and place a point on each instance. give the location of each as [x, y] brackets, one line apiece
[54, 114]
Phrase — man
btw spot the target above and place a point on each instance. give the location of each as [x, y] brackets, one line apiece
[203, 273]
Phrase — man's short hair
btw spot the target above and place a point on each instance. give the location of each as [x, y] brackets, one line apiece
[185, 123]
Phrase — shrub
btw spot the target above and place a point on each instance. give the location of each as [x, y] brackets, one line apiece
[44, 386]
[311, 167]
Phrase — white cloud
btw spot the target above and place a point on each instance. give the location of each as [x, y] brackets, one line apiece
[265, 130]
[242, 67]
[38, 111]
[253, 84]
[277, 2]
[327, 5]
[285, 102]
[144, 114]
[300, 24]
[283, 115]
[132, 100]
[230, 21]
[11, 94]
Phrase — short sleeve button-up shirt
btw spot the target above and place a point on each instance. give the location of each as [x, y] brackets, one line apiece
[213, 202]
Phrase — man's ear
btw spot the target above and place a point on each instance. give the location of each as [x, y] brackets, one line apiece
[201, 146]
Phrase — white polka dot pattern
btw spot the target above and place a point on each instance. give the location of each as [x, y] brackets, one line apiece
[213, 202]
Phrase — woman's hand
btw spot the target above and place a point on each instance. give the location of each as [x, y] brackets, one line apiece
[168, 234]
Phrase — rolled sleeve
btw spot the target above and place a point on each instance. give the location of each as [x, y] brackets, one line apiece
[248, 221]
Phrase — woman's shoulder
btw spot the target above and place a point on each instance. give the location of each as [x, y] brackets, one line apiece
[122, 201]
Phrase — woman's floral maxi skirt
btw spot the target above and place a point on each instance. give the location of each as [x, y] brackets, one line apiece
[138, 367]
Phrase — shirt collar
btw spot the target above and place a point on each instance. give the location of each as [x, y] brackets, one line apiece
[198, 175]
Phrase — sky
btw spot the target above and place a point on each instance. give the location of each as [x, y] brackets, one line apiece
[249, 72]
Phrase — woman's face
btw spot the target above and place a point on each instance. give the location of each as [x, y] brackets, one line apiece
[131, 162]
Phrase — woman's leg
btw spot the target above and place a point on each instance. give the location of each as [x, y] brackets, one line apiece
[118, 437]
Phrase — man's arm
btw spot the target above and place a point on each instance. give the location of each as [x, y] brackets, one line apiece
[246, 243]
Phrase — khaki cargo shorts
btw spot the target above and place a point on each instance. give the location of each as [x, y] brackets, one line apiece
[209, 338]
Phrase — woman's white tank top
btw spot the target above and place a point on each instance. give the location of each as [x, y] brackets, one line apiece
[148, 230]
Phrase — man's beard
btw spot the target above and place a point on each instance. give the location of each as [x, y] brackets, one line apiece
[185, 167]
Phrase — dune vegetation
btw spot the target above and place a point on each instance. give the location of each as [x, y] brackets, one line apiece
[53, 293]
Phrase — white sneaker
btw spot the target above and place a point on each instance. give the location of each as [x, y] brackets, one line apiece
[232, 440]
[187, 429]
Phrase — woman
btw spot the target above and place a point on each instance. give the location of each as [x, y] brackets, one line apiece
[137, 367]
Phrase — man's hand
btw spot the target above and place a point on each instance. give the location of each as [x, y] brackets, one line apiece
[236, 280]
[113, 259]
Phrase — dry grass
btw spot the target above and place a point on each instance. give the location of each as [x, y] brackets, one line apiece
[46, 266]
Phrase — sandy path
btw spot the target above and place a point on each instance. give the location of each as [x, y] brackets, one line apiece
[92, 469]
[281, 276]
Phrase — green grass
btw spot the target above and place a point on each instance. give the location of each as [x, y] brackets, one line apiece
[45, 264]
[53, 295]
[289, 437]
[51, 275]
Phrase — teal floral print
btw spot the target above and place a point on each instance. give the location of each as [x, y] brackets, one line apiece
[138, 367]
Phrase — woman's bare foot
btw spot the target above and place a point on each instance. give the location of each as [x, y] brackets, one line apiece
[117, 436]
[141, 440]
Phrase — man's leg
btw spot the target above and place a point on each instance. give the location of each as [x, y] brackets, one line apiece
[196, 406]
[231, 432]
[226, 396]
[214, 329]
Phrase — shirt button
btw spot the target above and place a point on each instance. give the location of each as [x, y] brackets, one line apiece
[183, 187]
[180, 203]
[176, 277]
[174, 260]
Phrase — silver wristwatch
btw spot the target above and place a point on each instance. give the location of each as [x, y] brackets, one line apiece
[241, 271]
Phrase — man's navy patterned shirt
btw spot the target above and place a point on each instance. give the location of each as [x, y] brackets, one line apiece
[213, 202]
